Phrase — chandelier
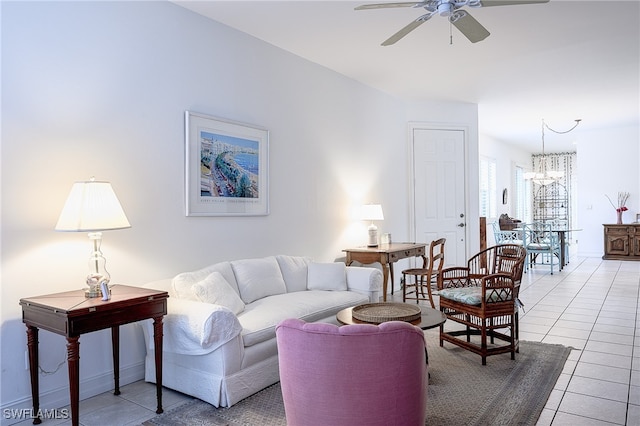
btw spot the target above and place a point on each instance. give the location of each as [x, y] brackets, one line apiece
[543, 176]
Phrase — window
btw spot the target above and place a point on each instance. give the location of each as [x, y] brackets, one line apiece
[488, 192]
[522, 196]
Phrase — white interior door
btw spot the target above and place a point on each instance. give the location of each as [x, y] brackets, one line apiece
[439, 176]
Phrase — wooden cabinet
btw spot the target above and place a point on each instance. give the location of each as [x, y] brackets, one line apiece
[622, 242]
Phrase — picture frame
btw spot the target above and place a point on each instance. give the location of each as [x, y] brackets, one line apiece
[226, 167]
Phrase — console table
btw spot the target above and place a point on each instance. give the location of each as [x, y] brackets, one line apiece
[622, 242]
[71, 314]
[386, 254]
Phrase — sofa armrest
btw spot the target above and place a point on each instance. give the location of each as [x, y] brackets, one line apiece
[195, 328]
[363, 279]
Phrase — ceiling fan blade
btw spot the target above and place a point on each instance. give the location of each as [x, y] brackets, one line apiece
[468, 26]
[389, 5]
[406, 30]
[488, 3]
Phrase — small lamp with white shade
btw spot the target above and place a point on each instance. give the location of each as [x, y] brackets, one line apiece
[372, 212]
[92, 206]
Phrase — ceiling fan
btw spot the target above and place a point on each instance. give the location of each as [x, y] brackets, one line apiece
[451, 9]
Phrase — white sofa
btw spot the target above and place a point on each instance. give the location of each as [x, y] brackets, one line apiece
[219, 331]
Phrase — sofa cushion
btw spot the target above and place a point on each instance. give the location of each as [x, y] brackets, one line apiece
[327, 276]
[260, 318]
[183, 282]
[294, 272]
[258, 278]
[215, 289]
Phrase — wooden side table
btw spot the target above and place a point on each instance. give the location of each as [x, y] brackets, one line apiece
[386, 254]
[71, 314]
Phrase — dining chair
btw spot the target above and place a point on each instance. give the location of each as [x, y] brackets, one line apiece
[416, 279]
[509, 236]
[542, 243]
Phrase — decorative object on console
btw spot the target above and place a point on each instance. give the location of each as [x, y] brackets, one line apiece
[93, 207]
[544, 176]
[507, 223]
[622, 205]
[226, 167]
[372, 212]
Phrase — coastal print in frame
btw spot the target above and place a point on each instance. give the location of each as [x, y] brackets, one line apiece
[226, 167]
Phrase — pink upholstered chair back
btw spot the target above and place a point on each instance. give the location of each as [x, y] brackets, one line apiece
[352, 375]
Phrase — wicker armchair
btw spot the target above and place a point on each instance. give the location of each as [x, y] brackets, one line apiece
[483, 297]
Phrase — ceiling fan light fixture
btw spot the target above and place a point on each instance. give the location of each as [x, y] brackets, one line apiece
[450, 9]
[445, 9]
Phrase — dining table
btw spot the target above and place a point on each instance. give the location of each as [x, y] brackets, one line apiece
[562, 239]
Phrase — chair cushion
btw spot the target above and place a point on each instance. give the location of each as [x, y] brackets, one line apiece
[468, 295]
[215, 289]
[327, 276]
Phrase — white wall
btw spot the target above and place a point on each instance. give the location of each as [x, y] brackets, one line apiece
[607, 163]
[100, 89]
[507, 157]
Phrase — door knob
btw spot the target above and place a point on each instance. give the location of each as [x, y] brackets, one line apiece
[461, 225]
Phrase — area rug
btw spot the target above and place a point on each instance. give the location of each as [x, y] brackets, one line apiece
[461, 391]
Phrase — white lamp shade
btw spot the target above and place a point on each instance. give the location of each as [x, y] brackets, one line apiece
[371, 212]
[92, 206]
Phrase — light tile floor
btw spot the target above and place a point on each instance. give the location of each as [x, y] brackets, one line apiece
[136, 404]
[591, 306]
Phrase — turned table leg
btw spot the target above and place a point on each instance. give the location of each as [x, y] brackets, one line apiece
[157, 342]
[115, 349]
[73, 361]
[32, 345]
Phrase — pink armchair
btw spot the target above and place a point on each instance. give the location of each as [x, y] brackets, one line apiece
[355, 374]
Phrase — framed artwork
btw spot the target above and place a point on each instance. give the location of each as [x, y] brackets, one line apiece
[227, 167]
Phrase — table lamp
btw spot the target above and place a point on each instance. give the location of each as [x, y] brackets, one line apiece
[372, 212]
[93, 207]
